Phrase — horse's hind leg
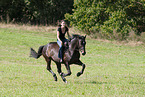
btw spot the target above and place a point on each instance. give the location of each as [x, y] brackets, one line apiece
[83, 68]
[49, 68]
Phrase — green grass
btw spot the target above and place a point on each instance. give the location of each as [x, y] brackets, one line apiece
[112, 69]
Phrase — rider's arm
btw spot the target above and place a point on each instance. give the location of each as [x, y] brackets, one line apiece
[68, 34]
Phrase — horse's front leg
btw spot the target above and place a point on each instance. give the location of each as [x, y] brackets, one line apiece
[68, 70]
[60, 72]
[83, 68]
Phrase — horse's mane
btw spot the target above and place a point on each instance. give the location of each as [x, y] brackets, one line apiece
[76, 36]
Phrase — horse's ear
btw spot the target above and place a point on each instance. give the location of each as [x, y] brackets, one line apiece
[85, 36]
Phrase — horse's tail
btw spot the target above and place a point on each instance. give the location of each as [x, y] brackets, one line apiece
[34, 54]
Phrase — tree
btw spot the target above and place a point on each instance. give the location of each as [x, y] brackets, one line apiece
[110, 18]
[11, 10]
[34, 11]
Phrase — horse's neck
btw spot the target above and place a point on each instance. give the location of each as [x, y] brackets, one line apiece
[73, 46]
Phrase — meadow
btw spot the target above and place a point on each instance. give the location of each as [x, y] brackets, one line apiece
[112, 68]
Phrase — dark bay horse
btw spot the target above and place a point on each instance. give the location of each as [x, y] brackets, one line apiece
[71, 55]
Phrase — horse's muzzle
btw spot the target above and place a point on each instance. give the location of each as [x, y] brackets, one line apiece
[83, 53]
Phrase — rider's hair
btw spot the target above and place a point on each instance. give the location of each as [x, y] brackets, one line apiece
[59, 23]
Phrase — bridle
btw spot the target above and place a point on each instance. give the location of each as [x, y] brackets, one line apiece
[82, 43]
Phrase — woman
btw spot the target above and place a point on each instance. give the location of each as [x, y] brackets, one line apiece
[62, 30]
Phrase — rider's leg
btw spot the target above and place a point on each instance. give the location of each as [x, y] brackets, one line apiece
[60, 54]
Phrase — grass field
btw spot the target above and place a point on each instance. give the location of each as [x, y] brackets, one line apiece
[112, 68]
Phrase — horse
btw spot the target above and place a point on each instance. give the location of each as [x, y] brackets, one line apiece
[71, 55]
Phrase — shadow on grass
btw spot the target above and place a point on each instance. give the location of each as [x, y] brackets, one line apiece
[93, 82]
[96, 82]
[101, 83]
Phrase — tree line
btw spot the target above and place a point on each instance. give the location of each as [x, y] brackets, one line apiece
[44, 12]
[109, 18]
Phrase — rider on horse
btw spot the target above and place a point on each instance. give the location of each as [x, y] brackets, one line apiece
[62, 30]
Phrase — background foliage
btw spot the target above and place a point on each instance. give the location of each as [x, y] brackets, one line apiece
[110, 18]
[34, 11]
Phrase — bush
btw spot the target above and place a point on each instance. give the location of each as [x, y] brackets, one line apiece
[110, 18]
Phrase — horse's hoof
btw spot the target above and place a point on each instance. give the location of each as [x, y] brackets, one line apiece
[64, 80]
[78, 74]
[55, 78]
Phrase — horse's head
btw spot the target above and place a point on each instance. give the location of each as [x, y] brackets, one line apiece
[81, 43]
